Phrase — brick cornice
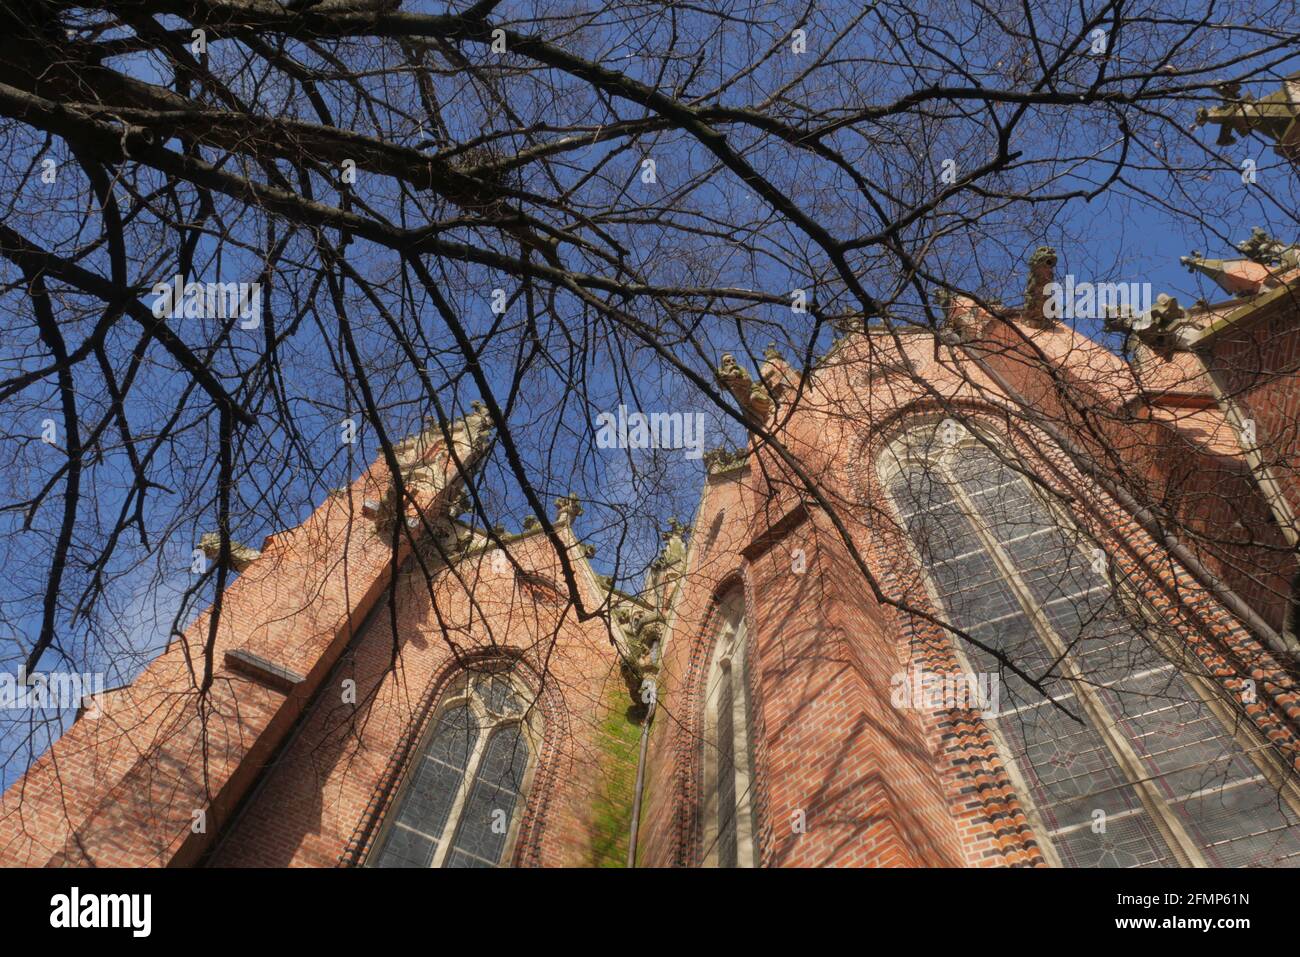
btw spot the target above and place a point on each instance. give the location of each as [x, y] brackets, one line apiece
[778, 530]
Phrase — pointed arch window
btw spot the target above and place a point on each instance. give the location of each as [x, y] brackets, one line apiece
[1160, 772]
[460, 803]
[730, 834]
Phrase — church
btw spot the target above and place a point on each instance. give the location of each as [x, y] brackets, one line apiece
[943, 623]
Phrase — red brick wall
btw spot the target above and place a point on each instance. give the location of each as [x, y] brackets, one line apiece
[670, 828]
[1256, 362]
[1175, 453]
[303, 779]
[836, 749]
[123, 789]
[878, 785]
[320, 803]
[127, 784]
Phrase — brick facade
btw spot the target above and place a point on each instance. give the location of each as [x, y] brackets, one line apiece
[287, 770]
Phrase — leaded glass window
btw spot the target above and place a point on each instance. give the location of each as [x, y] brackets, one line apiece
[460, 802]
[1159, 772]
[728, 807]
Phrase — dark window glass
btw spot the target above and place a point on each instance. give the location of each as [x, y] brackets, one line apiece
[727, 836]
[1190, 764]
[485, 821]
[428, 799]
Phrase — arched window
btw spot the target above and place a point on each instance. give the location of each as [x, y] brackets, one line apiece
[730, 834]
[1159, 773]
[460, 803]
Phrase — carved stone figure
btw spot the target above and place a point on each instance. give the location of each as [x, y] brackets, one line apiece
[567, 509]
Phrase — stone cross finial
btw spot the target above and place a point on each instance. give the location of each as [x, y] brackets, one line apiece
[1267, 250]
[675, 529]
[960, 318]
[1042, 266]
[478, 421]
[1159, 328]
[723, 459]
[1165, 312]
[777, 375]
[567, 509]
[674, 544]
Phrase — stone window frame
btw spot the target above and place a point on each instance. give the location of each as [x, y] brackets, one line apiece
[916, 444]
[729, 628]
[463, 690]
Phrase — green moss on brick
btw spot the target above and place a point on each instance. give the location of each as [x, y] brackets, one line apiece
[620, 741]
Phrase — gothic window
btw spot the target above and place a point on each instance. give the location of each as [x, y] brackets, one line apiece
[730, 834]
[1159, 772]
[460, 803]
